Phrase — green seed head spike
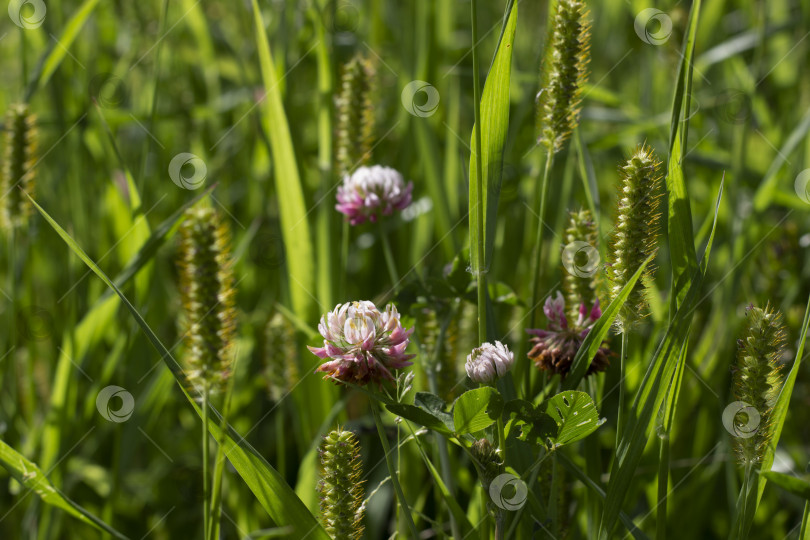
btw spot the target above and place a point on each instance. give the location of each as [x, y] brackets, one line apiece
[565, 73]
[207, 292]
[635, 233]
[355, 116]
[583, 288]
[18, 173]
[281, 356]
[340, 488]
[756, 380]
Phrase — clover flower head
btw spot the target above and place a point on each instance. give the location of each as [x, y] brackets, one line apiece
[370, 192]
[489, 362]
[555, 347]
[362, 344]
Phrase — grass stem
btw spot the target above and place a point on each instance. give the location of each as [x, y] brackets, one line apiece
[206, 480]
[622, 370]
[536, 265]
[481, 276]
[389, 258]
[375, 411]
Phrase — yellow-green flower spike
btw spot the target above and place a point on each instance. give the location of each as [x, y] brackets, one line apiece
[207, 292]
[340, 488]
[355, 116]
[635, 235]
[565, 73]
[756, 381]
[18, 166]
[580, 287]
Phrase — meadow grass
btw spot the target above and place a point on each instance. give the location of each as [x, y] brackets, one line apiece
[517, 353]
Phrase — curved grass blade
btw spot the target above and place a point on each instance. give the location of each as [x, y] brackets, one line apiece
[679, 216]
[294, 225]
[56, 53]
[268, 485]
[653, 390]
[767, 187]
[31, 476]
[600, 331]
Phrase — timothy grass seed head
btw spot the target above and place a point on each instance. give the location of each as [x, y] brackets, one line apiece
[756, 380]
[565, 73]
[635, 235]
[340, 487]
[18, 172]
[355, 115]
[207, 292]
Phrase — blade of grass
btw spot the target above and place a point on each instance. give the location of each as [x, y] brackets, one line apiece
[294, 224]
[679, 217]
[767, 187]
[53, 57]
[599, 332]
[651, 394]
[31, 476]
[268, 485]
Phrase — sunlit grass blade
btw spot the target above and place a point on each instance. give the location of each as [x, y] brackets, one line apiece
[59, 48]
[654, 387]
[267, 484]
[294, 225]
[494, 127]
[600, 330]
[34, 480]
[679, 216]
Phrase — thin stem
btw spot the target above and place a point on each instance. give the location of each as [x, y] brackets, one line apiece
[804, 532]
[375, 411]
[620, 417]
[481, 277]
[536, 268]
[389, 258]
[206, 480]
[663, 484]
[344, 257]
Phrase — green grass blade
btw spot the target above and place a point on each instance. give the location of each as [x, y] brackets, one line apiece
[679, 217]
[31, 476]
[792, 484]
[294, 225]
[494, 128]
[267, 484]
[600, 331]
[654, 387]
[58, 49]
[767, 188]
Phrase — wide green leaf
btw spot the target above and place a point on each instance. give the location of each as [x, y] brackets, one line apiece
[31, 476]
[477, 409]
[268, 485]
[575, 415]
[494, 127]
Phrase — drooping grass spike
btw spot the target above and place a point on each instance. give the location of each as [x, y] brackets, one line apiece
[207, 292]
[564, 74]
[635, 235]
[18, 166]
[354, 106]
[340, 487]
[756, 381]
